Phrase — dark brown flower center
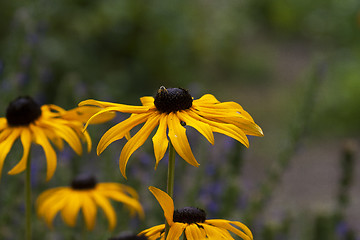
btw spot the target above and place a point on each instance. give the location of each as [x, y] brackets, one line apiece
[22, 111]
[172, 100]
[189, 215]
[84, 182]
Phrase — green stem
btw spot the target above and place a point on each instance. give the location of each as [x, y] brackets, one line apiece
[170, 179]
[28, 201]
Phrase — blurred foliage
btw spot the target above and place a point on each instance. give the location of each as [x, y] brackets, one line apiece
[66, 51]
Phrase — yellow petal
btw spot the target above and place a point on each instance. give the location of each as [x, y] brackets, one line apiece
[105, 205]
[83, 114]
[175, 231]
[224, 128]
[147, 101]
[97, 115]
[65, 133]
[165, 202]
[179, 140]
[50, 154]
[120, 130]
[3, 123]
[26, 143]
[72, 207]
[160, 140]
[50, 203]
[239, 119]
[207, 98]
[137, 140]
[6, 133]
[216, 233]
[244, 234]
[116, 106]
[154, 232]
[117, 187]
[89, 211]
[45, 196]
[201, 127]
[193, 232]
[88, 140]
[131, 203]
[6, 145]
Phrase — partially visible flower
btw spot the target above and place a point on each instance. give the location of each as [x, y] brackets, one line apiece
[86, 194]
[27, 120]
[171, 109]
[192, 222]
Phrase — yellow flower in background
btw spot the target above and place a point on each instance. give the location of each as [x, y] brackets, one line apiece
[86, 194]
[27, 120]
[193, 223]
[170, 110]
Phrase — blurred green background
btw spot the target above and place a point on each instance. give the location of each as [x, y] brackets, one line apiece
[294, 65]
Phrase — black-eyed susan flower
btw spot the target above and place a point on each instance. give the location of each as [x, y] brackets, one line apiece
[170, 110]
[193, 223]
[27, 120]
[86, 194]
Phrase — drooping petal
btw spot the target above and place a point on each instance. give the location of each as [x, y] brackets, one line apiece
[201, 127]
[175, 231]
[240, 119]
[66, 133]
[160, 140]
[89, 211]
[216, 233]
[88, 140]
[193, 232]
[123, 198]
[26, 143]
[105, 205]
[51, 159]
[120, 130]
[177, 135]
[244, 233]
[84, 113]
[98, 115]
[72, 207]
[116, 106]
[137, 140]
[154, 232]
[50, 203]
[118, 187]
[6, 145]
[224, 128]
[165, 202]
[44, 196]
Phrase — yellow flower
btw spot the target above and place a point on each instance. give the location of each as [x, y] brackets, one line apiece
[30, 122]
[193, 223]
[86, 194]
[171, 109]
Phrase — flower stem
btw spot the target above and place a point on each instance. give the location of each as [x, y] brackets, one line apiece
[170, 179]
[28, 201]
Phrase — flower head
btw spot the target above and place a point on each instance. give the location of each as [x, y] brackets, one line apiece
[192, 222]
[86, 194]
[170, 110]
[27, 120]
